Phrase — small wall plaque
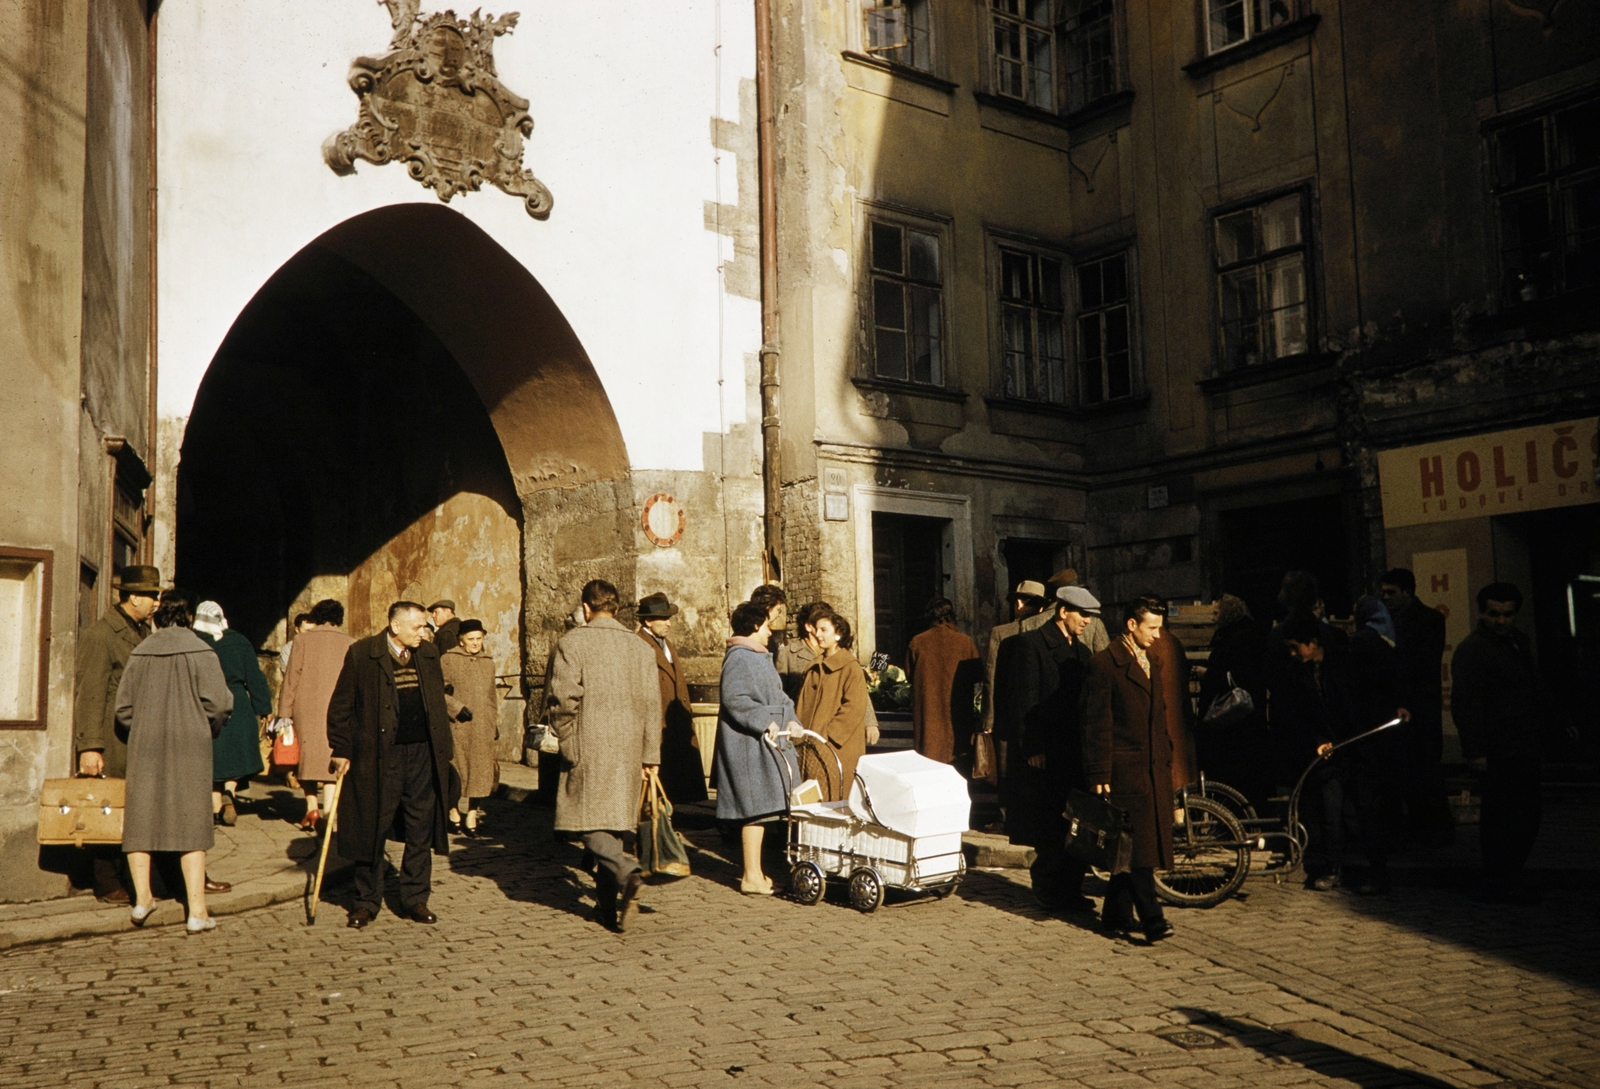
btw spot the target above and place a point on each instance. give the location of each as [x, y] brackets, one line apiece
[836, 508]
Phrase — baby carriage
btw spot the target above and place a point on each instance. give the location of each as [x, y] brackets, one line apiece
[899, 829]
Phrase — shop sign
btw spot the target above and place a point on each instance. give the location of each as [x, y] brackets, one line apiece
[1531, 468]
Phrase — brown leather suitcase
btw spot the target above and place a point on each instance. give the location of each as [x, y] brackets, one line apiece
[80, 811]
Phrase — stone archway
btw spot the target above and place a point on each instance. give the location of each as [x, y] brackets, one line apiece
[402, 409]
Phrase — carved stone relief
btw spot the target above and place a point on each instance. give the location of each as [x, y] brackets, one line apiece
[435, 103]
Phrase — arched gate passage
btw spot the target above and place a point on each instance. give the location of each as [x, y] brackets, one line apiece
[403, 409]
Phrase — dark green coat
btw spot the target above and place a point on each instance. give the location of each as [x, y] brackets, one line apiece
[236, 752]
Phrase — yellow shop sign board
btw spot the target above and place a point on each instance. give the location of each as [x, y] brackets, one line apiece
[1531, 468]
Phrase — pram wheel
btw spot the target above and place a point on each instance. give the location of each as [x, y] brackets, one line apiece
[806, 883]
[866, 890]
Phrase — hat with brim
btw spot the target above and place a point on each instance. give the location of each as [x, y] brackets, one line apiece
[656, 607]
[1028, 588]
[1079, 600]
[140, 580]
[443, 603]
[1064, 577]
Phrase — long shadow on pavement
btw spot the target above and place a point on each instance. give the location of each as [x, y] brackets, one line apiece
[1324, 1059]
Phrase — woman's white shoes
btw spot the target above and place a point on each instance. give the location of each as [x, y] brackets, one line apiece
[140, 914]
[196, 926]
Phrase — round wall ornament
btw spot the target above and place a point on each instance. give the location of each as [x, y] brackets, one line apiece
[663, 520]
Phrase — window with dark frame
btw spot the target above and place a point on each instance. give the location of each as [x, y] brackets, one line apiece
[1034, 359]
[1229, 22]
[1547, 186]
[901, 33]
[1089, 48]
[25, 594]
[1105, 356]
[907, 337]
[1024, 51]
[1261, 282]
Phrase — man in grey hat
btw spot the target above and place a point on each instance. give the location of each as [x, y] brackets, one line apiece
[1095, 635]
[445, 623]
[1045, 675]
[103, 651]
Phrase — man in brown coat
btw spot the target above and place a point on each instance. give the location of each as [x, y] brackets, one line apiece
[683, 775]
[943, 667]
[103, 652]
[605, 708]
[1180, 710]
[1127, 755]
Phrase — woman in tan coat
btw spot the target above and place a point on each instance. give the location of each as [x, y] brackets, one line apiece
[316, 657]
[833, 702]
[469, 678]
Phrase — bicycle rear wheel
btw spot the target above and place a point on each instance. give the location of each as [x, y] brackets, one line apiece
[1210, 858]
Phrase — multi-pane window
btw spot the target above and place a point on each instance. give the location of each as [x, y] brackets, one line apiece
[1031, 320]
[1547, 180]
[906, 331]
[1089, 46]
[1261, 282]
[1229, 22]
[1024, 46]
[1105, 362]
[901, 33]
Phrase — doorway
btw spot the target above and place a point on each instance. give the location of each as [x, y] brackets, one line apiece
[908, 571]
[1262, 544]
[1030, 559]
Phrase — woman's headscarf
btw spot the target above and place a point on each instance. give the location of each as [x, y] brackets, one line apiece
[209, 619]
[1372, 613]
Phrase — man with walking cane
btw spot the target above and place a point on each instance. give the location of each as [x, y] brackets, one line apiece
[390, 736]
[605, 708]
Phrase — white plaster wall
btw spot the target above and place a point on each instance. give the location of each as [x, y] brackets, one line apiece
[622, 100]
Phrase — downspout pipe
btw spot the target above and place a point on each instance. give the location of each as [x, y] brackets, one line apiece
[771, 451]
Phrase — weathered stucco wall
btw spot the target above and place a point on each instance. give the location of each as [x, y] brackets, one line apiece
[42, 109]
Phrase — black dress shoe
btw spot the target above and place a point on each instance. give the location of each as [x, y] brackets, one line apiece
[359, 918]
[421, 914]
[1157, 931]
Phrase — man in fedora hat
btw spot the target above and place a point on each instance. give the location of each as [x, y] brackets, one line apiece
[1026, 601]
[103, 651]
[682, 773]
[445, 623]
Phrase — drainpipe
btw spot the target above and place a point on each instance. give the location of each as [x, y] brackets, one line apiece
[771, 464]
[152, 439]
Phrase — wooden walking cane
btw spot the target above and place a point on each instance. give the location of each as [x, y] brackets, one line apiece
[327, 838]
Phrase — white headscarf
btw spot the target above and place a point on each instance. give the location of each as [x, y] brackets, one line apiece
[209, 619]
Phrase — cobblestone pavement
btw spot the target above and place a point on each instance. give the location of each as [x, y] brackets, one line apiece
[514, 986]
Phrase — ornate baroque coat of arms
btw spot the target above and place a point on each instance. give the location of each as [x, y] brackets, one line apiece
[435, 103]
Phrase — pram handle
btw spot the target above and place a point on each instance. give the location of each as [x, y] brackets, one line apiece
[1294, 797]
[822, 743]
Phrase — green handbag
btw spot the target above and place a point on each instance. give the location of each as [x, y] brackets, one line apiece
[661, 849]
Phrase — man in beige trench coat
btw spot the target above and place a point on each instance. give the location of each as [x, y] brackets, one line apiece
[605, 709]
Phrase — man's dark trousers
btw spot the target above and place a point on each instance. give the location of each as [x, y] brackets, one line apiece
[1509, 820]
[1127, 893]
[408, 791]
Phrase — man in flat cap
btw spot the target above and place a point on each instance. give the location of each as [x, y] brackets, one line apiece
[1046, 675]
[1095, 635]
[683, 775]
[445, 623]
[1026, 601]
[103, 652]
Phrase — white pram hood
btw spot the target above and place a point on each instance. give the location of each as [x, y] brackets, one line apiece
[910, 794]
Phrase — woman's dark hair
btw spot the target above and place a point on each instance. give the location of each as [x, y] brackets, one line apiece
[809, 612]
[300, 618]
[327, 611]
[939, 611]
[748, 617]
[1142, 606]
[847, 639]
[1399, 578]
[601, 597]
[1303, 628]
[174, 610]
[1499, 591]
[767, 595]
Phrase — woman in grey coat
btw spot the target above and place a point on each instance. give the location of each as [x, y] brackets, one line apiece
[752, 783]
[173, 701]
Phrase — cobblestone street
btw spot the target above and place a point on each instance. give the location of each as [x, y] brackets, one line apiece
[515, 986]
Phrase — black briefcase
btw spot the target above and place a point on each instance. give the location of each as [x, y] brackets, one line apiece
[1097, 832]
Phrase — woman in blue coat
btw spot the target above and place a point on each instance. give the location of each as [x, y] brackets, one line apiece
[236, 752]
[752, 783]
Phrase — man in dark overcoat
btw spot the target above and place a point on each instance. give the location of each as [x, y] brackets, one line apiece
[1027, 601]
[1044, 681]
[445, 623]
[1420, 639]
[683, 774]
[389, 731]
[1127, 755]
[103, 651]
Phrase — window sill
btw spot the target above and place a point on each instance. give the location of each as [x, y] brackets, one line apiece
[902, 71]
[1070, 412]
[1287, 367]
[1253, 47]
[910, 389]
[1021, 109]
[1099, 108]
